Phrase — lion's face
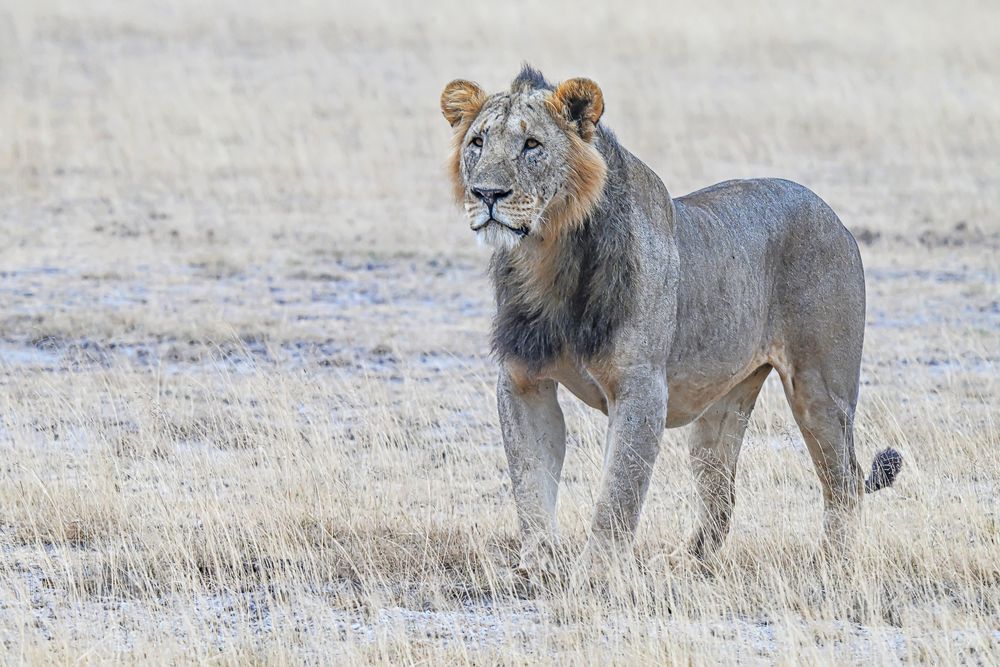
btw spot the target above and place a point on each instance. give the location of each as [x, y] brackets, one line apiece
[523, 162]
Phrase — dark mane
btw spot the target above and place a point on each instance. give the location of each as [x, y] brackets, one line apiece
[594, 281]
[530, 78]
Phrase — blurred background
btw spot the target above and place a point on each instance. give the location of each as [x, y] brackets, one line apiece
[244, 132]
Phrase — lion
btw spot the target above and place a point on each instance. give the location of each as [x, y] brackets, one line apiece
[659, 312]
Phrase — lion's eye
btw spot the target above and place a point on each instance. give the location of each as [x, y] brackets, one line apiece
[477, 142]
[531, 143]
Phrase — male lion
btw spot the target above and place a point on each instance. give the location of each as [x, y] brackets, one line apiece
[659, 312]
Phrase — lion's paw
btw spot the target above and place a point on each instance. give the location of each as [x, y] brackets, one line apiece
[602, 565]
[538, 565]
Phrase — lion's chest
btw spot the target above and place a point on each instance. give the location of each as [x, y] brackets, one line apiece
[567, 303]
[529, 335]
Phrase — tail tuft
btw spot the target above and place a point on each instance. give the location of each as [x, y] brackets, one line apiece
[885, 467]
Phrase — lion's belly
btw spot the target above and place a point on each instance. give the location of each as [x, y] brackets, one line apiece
[690, 394]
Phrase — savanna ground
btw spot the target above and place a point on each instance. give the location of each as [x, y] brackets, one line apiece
[246, 405]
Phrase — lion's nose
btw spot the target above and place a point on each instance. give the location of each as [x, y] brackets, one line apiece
[490, 195]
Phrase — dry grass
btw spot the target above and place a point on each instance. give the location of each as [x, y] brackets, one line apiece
[246, 413]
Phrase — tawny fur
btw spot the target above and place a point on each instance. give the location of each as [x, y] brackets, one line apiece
[460, 102]
[583, 189]
[580, 103]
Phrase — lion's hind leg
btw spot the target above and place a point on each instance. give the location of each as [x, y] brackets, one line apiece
[715, 446]
[824, 411]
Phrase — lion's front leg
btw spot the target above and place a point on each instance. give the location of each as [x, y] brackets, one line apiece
[636, 421]
[534, 437]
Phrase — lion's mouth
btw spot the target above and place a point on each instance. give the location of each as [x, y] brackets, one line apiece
[521, 232]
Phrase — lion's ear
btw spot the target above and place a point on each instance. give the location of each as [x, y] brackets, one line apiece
[461, 100]
[579, 101]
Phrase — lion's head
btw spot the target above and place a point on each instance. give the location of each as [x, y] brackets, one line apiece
[524, 164]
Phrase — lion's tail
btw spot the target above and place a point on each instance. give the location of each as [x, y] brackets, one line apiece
[885, 467]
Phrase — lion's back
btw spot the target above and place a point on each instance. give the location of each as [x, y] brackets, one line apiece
[758, 259]
[785, 224]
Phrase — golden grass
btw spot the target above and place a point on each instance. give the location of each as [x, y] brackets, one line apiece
[246, 413]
